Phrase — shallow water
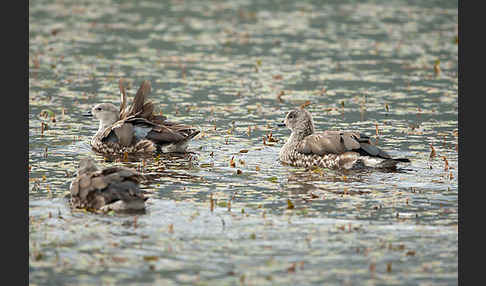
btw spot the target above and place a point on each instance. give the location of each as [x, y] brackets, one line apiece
[233, 69]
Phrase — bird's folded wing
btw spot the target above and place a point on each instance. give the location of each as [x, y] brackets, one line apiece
[118, 174]
[158, 119]
[334, 142]
[321, 144]
[338, 142]
[122, 129]
[126, 191]
[124, 133]
[162, 133]
[366, 145]
[374, 151]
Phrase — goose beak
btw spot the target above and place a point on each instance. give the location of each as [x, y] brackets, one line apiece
[88, 114]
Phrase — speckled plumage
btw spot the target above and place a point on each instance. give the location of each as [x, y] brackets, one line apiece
[114, 148]
[113, 188]
[330, 149]
[136, 129]
[289, 155]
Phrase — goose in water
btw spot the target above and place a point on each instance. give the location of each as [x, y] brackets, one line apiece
[113, 188]
[330, 149]
[136, 129]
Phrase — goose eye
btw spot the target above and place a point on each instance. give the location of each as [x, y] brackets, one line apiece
[98, 108]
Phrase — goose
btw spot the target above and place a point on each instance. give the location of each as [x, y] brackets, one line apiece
[330, 149]
[112, 188]
[136, 129]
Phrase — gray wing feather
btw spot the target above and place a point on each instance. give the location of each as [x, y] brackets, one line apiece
[350, 141]
[126, 191]
[124, 133]
[374, 151]
[338, 142]
[322, 144]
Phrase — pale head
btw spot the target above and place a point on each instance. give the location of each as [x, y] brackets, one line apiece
[300, 122]
[106, 113]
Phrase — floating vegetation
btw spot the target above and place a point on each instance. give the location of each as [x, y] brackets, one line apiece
[432, 152]
[290, 205]
[437, 67]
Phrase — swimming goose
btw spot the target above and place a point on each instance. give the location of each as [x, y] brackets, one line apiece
[330, 149]
[113, 188]
[136, 129]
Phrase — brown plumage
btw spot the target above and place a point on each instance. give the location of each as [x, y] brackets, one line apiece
[136, 129]
[113, 188]
[330, 149]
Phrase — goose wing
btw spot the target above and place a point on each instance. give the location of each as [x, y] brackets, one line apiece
[158, 133]
[139, 106]
[95, 189]
[123, 132]
[338, 142]
[123, 98]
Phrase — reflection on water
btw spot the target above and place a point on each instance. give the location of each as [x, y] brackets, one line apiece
[233, 69]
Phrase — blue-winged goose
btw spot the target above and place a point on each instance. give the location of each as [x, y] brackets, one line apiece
[113, 188]
[136, 129]
[330, 149]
